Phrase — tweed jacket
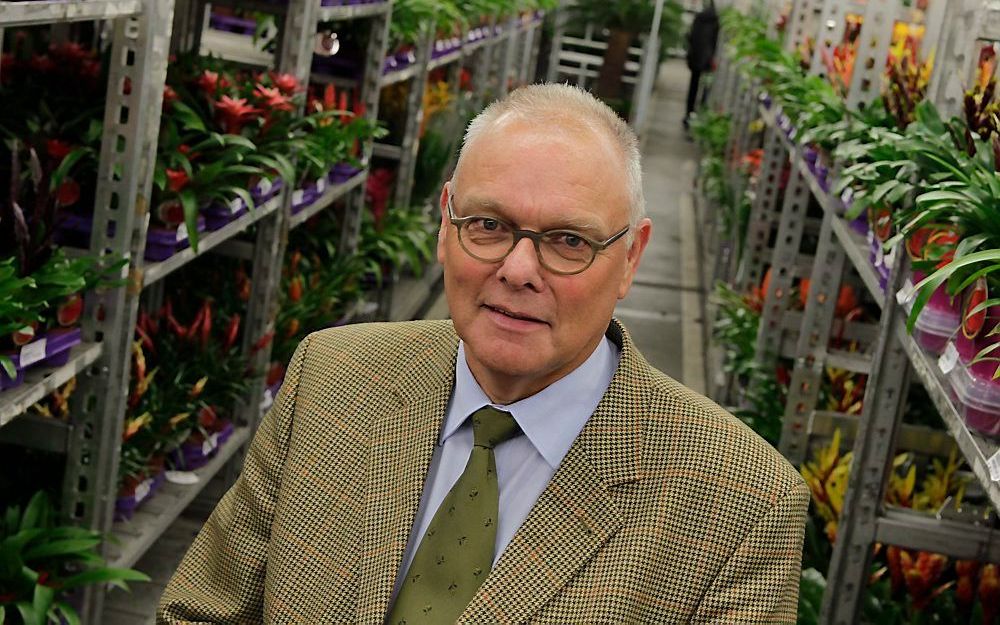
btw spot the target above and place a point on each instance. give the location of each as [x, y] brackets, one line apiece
[666, 509]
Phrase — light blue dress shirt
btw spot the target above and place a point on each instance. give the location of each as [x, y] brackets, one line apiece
[550, 419]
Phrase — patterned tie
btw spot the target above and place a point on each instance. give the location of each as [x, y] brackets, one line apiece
[456, 553]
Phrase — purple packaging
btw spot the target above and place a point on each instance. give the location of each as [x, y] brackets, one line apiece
[125, 507]
[162, 243]
[191, 456]
[342, 172]
[230, 23]
[218, 214]
[266, 189]
[306, 196]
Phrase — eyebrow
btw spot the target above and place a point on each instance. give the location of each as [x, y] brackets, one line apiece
[478, 206]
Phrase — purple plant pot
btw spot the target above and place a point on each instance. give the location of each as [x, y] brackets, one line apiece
[7, 383]
[265, 190]
[73, 230]
[48, 349]
[822, 177]
[229, 23]
[218, 214]
[810, 155]
[162, 243]
[342, 172]
[405, 58]
[860, 224]
[125, 507]
[191, 456]
[306, 196]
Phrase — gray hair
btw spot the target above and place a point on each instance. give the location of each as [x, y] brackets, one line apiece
[566, 104]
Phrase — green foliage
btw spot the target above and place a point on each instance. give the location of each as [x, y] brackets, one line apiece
[41, 561]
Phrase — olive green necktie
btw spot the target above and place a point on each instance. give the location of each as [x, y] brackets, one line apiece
[456, 552]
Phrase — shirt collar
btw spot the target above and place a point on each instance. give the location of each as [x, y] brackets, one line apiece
[551, 418]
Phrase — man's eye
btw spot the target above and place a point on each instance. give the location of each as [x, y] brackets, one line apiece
[571, 240]
[489, 224]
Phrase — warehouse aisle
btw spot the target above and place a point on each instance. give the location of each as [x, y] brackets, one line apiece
[663, 310]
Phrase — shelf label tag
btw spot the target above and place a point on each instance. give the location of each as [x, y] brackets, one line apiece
[847, 195]
[267, 402]
[948, 359]
[264, 186]
[321, 184]
[907, 293]
[298, 195]
[235, 205]
[185, 478]
[32, 352]
[993, 464]
[210, 444]
[142, 490]
[182, 232]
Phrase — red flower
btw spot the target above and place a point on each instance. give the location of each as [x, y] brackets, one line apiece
[90, 69]
[68, 193]
[329, 98]
[68, 51]
[233, 113]
[57, 149]
[209, 82]
[177, 179]
[287, 83]
[169, 95]
[272, 99]
[42, 63]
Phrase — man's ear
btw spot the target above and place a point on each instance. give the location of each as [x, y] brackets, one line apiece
[443, 230]
[634, 254]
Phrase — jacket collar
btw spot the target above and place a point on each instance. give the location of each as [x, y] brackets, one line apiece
[576, 508]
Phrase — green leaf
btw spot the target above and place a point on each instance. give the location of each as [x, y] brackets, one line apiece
[189, 202]
[65, 166]
[104, 575]
[8, 367]
[43, 599]
[190, 120]
[36, 513]
[61, 548]
[28, 614]
[65, 611]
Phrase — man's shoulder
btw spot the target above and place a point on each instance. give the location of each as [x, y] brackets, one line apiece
[693, 430]
[385, 345]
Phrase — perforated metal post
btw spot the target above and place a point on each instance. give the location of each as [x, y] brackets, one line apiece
[414, 117]
[763, 213]
[784, 260]
[832, 27]
[137, 72]
[965, 25]
[508, 55]
[811, 349]
[873, 49]
[802, 23]
[874, 447]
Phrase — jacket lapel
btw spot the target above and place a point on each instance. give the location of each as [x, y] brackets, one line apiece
[401, 447]
[576, 513]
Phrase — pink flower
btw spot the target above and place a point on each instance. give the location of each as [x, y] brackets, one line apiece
[233, 113]
[272, 98]
[286, 83]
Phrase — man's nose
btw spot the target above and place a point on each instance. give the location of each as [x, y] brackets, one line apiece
[522, 267]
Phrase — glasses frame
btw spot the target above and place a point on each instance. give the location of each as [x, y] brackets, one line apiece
[533, 235]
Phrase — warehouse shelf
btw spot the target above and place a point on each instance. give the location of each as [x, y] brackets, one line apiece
[331, 195]
[445, 59]
[40, 382]
[387, 150]
[132, 538]
[324, 13]
[38, 12]
[154, 271]
[399, 75]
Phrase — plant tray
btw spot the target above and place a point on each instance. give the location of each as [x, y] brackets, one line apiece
[126, 506]
[342, 172]
[49, 350]
[217, 215]
[190, 456]
[162, 243]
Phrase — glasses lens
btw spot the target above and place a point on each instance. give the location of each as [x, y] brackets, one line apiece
[485, 238]
[565, 251]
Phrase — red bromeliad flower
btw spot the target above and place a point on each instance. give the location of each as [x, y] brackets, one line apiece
[169, 95]
[209, 82]
[68, 193]
[233, 113]
[286, 83]
[90, 69]
[58, 149]
[272, 99]
[177, 179]
[42, 63]
[69, 51]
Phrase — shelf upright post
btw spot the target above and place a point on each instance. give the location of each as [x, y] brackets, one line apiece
[481, 71]
[560, 17]
[509, 50]
[833, 24]
[124, 183]
[811, 349]
[875, 37]
[958, 53]
[536, 47]
[527, 47]
[783, 267]
[763, 213]
[802, 23]
[414, 118]
[874, 446]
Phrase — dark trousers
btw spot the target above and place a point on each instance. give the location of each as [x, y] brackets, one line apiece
[692, 91]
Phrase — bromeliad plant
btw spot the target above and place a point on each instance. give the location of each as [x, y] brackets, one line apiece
[41, 562]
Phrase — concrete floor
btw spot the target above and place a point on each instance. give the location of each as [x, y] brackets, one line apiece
[662, 312]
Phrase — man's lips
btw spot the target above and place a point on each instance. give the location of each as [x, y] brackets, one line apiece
[512, 313]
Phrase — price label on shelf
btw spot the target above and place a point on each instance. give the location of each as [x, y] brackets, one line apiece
[847, 195]
[142, 490]
[906, 294]
[32, 352]
[235, 205]
[321, 184]
[185, 478]
[993, 464]
[298, 195]
[948, 359]
[210, 444]
[182, 232]
[264, 186]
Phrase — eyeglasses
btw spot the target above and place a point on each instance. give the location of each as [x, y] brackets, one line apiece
[490, 240]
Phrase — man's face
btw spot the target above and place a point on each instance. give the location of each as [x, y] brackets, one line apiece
[524, 326]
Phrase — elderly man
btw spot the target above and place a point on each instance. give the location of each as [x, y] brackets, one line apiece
[521, 463]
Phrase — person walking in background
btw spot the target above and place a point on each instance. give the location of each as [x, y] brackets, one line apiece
[702, 39]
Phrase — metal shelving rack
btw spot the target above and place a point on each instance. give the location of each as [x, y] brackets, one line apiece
[896, 358]
[141, 37]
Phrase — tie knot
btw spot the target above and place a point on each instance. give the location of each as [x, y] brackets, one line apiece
[491, 427]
